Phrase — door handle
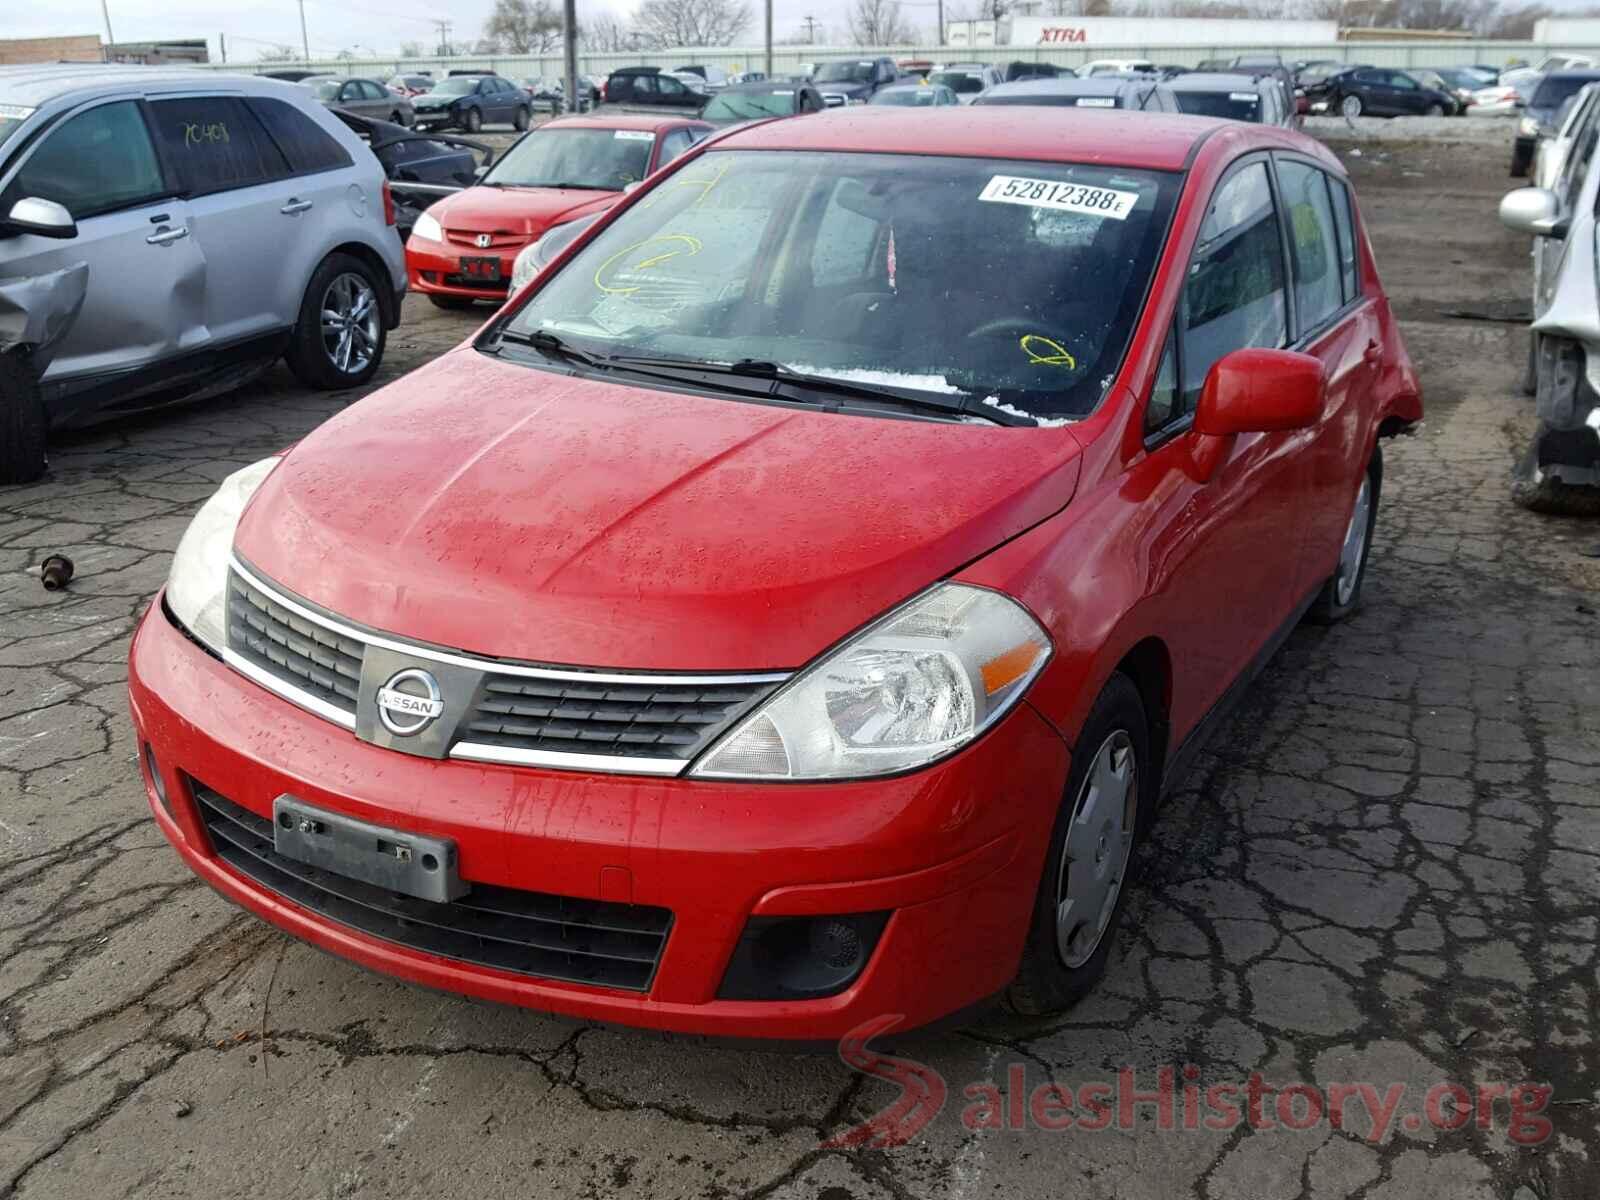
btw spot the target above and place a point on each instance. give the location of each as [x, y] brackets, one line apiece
[295, 207]
[1373, 354]
[162, 236]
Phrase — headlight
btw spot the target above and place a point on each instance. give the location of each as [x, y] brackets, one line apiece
[921, 682]
[1528, 127]
[429, 228]
[526, 265]
[198, 582]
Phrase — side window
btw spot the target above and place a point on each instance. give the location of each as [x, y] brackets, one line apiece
[1402, 81]
[672, 145]
[1344, 220]
[95, 162]
[1318, 293]
[1575, 170]
[671, 87]
[308, 147]
[1234, 295]
[350, 91]
[644, 86]
[215, 145]
[1163, 404]
[372, 91]
[845, 240]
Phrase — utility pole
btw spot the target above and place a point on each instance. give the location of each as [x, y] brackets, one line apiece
[305, 42]
[111, 40]
[444, 36]
[769, 39]
[940, 40]
[222, 44]
[569, 39]
[811, 29]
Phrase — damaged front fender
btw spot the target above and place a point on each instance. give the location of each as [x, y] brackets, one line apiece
[37, 311]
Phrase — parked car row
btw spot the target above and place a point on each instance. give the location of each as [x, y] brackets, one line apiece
[783, 611]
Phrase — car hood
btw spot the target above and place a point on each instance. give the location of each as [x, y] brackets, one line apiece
[526, 211]
[519, 513]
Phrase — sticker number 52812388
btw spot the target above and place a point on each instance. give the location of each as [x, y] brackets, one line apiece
[1065, 197]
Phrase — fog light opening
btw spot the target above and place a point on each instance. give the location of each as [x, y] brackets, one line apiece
[801, 958]
[152, 770]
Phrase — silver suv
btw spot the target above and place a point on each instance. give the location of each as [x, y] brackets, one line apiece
[223, 222]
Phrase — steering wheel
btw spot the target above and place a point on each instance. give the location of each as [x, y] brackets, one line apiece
[1043, 344]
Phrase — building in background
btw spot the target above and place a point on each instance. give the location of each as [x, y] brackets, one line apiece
[155, 54]
[88, 48]
[1168, 31]
[1567, 31]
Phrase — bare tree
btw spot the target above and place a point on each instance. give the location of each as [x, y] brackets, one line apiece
[878, 23]
[663, 24]
[606, 35]
[277, 53]
[523, 26]
[410, 49]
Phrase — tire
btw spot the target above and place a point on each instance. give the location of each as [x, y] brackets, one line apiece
[394, 118]
[1538, 492]
[521, 120]
[472, 121]
[1530, 373]
[22, 421]
[452, 303]
[1058, 969]
[316, 352]
[1341, 594]
[1350, 107]
[1434, 110]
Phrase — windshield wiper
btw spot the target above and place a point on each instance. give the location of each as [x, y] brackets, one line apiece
[552, 346]
[576, 187]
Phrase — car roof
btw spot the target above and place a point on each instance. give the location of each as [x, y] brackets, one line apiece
[1155, 141]
[40, 83]
[1214, 81]
[638, 121]
[1066, 85]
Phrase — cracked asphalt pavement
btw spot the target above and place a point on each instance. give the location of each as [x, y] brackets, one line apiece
[1386, 869]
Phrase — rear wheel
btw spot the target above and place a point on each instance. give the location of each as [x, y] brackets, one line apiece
[339, 339]
[1536, 490]
[521, 119]
[473, 120]
[22, 420]
[1109, 798]
[451, 303]
[1350, 106]
[1341, 594]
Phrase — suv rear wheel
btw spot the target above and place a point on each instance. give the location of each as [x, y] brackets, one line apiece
[22, 421]
[473, 120]
[339, 339]
[522, 119]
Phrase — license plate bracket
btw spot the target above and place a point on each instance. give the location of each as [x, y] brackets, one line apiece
[409, 863]
[481, 268]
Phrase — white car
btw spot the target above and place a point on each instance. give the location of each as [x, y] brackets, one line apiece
[1551, 156]
[1114, 66]
[1500, 100]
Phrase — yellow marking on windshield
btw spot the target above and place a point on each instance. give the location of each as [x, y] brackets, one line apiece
[1054, 354]
[693, 244]
[685, 179]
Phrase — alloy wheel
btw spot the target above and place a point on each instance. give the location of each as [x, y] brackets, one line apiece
[1351, 107]
[1355, 544]
[1094, 861]
[350, 323]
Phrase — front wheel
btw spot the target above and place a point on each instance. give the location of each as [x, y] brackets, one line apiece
[1435, 110]
[1110, 795]
[339, 339]
[22, 420]
[1341, 594]
[521, 119]
[1350, 106]
[473, 120]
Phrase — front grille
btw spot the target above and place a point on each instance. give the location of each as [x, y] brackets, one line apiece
[529, 933]
[469, 239]
[672, 721]
[305, 655]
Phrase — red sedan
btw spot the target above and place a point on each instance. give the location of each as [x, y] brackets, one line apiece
[790, 610]
[463, 248]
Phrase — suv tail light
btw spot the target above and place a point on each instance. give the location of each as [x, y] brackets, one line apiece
[388, 204]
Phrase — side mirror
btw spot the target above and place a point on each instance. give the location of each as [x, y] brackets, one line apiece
[1253, 391]
[45, 218]
[1533, 210]
[480, 171]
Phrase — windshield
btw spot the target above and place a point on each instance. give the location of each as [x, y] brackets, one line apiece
[1015, 284]
[326, 89]
[962, 82]
[1553, 91]
[909, 97]
[1237, 106]
[741, 106]
[600, 159]
[844, 72]
[1460, 79]
[455, 87]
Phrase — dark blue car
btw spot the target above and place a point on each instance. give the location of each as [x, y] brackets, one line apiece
[472, 101]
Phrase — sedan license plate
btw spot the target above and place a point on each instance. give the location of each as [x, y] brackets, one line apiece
[408, 863]
[481, 270]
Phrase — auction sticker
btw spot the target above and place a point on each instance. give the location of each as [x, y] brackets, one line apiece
[1063, 197]
[634, 135]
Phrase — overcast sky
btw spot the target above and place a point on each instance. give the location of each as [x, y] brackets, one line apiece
[332, 25]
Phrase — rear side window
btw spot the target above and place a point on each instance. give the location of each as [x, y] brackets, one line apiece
[215, 144]
[674, 144]
[1234, 296]
[308, 147]
[1318, 290]
[95, 162]
[1344, 221]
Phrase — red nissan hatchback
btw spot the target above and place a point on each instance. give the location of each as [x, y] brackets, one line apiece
[463, 248]
[790, 608]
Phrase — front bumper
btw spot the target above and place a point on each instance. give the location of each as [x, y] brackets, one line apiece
[434, 268]
[953, 853]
